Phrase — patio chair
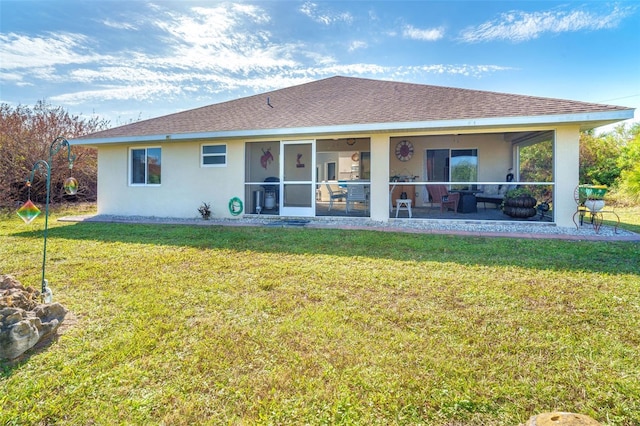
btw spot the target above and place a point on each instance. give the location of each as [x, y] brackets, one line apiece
[357, 194]
[335, 193]
[440, 194]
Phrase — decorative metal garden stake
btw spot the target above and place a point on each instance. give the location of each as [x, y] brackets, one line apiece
[29, 211]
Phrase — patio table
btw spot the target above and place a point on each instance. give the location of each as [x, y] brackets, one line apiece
[468, 202]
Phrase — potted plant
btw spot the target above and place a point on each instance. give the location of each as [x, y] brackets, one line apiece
[592, 197]
[519, 202]
[205, 210]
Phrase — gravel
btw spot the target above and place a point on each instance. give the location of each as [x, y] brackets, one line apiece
[459, 227]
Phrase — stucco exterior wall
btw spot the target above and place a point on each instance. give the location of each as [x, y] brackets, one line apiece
[185, 183]
[379, 189]
[567, 173]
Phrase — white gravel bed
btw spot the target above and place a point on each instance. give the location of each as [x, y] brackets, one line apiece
[413, 225]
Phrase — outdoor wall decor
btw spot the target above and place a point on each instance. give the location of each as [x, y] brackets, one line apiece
[235, 206]
[404, 150]
[266, 158]
[298, 163]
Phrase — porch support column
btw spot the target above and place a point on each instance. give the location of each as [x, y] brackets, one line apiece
[379, 195]
[567, 171]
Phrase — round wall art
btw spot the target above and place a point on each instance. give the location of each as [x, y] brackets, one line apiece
[404, 150]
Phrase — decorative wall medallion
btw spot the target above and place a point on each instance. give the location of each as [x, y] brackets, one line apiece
[404, 150]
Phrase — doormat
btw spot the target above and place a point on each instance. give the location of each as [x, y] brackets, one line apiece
[288, 223]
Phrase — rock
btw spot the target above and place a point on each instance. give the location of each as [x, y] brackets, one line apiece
[23, 321]
[561, 419]
[18, 334]
[14, 294]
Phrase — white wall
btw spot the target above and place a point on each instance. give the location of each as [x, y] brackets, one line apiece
[185, 184]
[379, 189]
[566, 168]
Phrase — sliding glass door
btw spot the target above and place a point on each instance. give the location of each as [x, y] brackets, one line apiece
[452, 165]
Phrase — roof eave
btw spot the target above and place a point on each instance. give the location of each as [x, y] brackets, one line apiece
[585, 120]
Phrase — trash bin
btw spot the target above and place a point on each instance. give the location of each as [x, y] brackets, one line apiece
[258, 201]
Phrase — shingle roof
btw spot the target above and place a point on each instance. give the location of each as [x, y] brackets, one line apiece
[343, 101]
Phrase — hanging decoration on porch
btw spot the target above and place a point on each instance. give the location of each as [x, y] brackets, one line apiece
[298, 163]
[235, 206]
[266, 158]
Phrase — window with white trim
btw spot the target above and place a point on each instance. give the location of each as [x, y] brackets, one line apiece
[145, 166]
[214, 156]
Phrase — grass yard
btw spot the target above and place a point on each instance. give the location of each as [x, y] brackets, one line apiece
[184, 325]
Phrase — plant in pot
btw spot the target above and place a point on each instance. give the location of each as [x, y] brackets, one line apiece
[519, 203]
[205, 211]
[592, 197]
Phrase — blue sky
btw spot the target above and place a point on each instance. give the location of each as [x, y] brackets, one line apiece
[130, 60]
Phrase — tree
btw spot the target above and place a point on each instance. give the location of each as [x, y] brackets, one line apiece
[598, 157]
[536, 165]
[25, 137]
[629, 163]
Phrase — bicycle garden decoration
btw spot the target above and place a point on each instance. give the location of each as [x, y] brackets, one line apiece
[590, 200]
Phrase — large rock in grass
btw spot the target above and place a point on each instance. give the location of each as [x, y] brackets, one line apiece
[561, 419]
[23, 321]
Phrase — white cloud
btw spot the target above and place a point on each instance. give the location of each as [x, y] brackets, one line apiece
[118, 92]
[466, 70]
[518, 26]
[312, 11]
[24, 52]
[358, 44]
[430, 34]
[118, 25]
[195, 54]
[222, 38]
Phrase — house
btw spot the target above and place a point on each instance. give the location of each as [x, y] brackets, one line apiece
[281, 153]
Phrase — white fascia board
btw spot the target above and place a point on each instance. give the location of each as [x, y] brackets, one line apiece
[520, 121]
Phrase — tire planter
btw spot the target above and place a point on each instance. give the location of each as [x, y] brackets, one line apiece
[520, 207]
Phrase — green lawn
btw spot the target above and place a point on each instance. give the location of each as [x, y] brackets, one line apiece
[188, 325]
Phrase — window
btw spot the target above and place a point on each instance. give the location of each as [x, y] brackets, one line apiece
[146, 165]
[214, 155]
[464, 167]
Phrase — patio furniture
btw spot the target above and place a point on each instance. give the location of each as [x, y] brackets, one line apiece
[400, 188]
[440, 194]
[468, 202]
[493, 194]
[357, 194]
[403, 204]
[335, 193]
